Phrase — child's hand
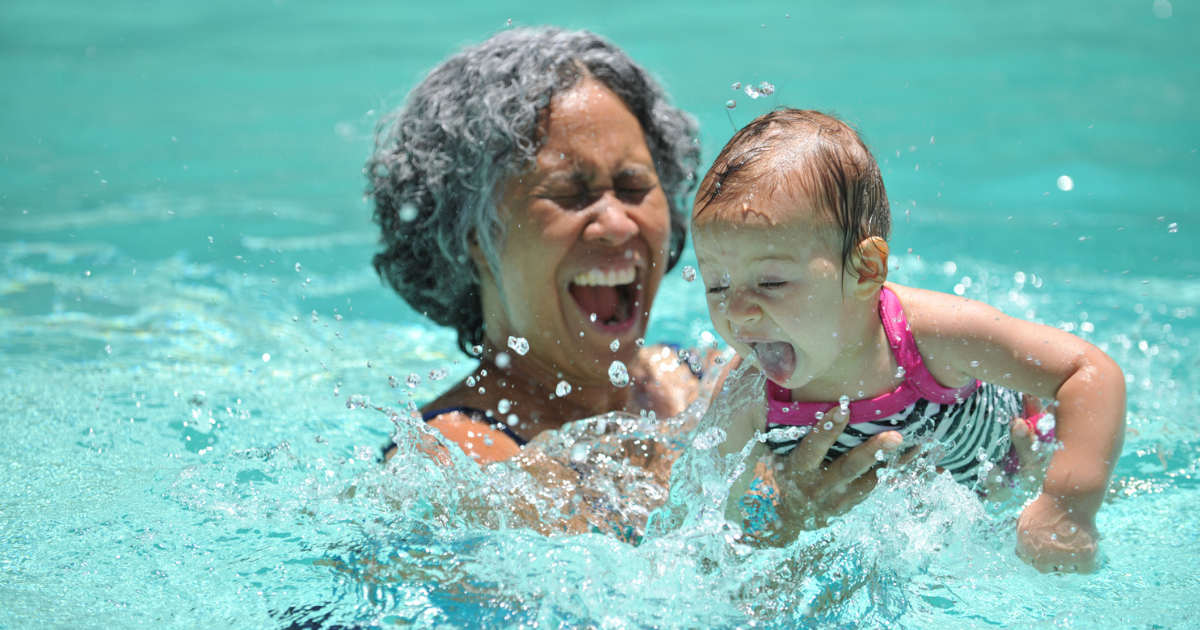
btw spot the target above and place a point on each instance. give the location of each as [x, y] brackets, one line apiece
[1051, 539]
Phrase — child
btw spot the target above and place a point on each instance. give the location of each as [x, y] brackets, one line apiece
[790, 228]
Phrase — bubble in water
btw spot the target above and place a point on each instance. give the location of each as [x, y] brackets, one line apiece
[689, 273]
[1172, 228]
[562, 389]
[519, 344]
[618, 374]
[502, 360]
[579, 453]
[844, 403]
[393, 381]
[438, 374]
[737, 85]
[730, 104]
[615, 345]
[297, 267]
[413, 380]
[476, 350]
[766, 89]
[1065, 183]
[900, 371]
[503, 406]
[408, 212]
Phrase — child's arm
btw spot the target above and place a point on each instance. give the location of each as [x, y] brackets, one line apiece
[961, 339]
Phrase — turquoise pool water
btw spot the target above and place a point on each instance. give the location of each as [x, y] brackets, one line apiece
[181, 196]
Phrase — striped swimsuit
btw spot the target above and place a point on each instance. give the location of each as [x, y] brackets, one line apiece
[970, 422]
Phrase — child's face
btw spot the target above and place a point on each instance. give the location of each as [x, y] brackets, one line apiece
[775, 288]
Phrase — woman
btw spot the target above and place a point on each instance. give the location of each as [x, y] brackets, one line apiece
[531, 195]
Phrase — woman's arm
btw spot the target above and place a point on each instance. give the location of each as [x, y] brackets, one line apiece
[961, 339]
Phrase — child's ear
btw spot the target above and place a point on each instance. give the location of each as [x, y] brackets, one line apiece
[869, 266]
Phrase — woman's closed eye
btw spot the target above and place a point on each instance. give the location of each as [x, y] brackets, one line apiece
[771, 284]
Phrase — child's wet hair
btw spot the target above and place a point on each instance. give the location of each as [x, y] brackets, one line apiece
[803, 153]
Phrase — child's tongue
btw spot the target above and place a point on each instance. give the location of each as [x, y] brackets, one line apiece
[777, 359]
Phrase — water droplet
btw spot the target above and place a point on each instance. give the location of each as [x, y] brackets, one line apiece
[752, 92]
[827, 426]
[820, 415]
[210, 239]
[1065, 183]
[719, 361]
[737, 85]
[108, 349]
[844, 403]
[562, 389]
[618, 374]
[730, 104]
[639, 342]
[503, 406]
[502, 360]
[766, 89]
[470, 381]
[1173, 228]
[337, 318]
[393, 382]
[519, 344]
[266, 357]
[615, 345]
[512, 420]
[900, 371]
[879, 455]
[689, 273]
[974, 364]
[476, 350]
[981, 455]
[438, 374]
[579, 453]
[1161, 9]
[408, 212]
[413, 380]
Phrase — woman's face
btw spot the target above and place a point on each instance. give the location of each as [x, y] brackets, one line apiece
[586, 248]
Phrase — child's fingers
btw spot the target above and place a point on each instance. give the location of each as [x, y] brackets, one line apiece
[815, 446]
[1023, 438]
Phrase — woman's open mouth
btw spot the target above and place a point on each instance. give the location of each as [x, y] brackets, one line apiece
[609, 298]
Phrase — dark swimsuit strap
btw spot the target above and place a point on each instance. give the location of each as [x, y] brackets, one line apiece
[478, 416]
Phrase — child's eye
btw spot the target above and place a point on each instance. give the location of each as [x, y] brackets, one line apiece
[713, 290]
[772, 284]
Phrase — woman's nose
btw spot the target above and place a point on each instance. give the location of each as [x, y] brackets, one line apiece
[613, 225]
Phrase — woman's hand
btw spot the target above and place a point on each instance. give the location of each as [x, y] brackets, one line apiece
[1054, 539]
[812, 491]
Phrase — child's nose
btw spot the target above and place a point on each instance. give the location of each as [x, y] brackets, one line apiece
[742, 308]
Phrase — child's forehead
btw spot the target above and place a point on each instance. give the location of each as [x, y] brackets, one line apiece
[758, 235]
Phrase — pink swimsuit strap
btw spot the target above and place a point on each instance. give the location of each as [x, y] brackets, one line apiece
[918, 382]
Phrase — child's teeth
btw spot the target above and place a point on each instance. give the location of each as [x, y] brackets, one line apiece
[612, 278]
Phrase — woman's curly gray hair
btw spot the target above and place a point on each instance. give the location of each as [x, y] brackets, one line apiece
[441, 159]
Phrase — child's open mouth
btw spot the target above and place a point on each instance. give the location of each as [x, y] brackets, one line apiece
[611, 296]
[777, 359]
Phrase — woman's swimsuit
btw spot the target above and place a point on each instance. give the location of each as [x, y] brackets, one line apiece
[478, 416]
[970, 422]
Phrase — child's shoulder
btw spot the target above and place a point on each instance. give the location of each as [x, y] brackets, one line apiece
[940, 313]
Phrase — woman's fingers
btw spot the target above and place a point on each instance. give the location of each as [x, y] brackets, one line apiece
[861, 458]
[812, 449]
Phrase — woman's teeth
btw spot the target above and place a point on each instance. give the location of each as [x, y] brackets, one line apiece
[611, 278]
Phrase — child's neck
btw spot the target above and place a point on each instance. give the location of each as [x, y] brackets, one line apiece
[865, 365]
